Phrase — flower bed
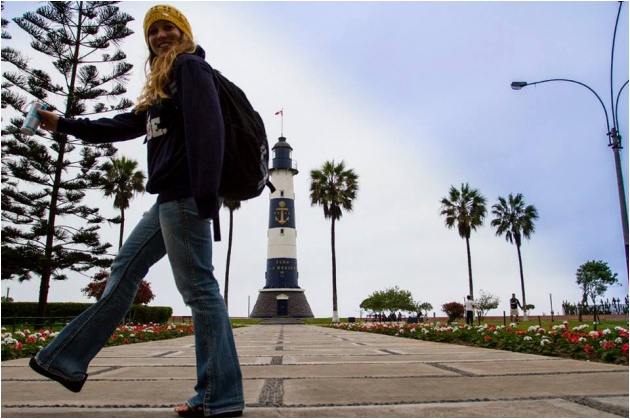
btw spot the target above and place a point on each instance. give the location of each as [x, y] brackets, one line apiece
[26, 343]
[608, 345]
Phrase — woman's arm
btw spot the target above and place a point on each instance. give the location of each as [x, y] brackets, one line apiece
[122, 127]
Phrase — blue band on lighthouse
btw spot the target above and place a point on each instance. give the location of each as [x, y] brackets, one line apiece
[281, 213]
[282, 273]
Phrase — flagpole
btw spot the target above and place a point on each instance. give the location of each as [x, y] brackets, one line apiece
[281, 112]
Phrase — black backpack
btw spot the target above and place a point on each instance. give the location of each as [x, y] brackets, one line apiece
[246, 160]
[246, 157]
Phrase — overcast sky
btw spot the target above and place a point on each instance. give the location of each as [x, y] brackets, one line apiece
[415, 97]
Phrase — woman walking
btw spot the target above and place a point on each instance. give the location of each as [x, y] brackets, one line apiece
[179, 113]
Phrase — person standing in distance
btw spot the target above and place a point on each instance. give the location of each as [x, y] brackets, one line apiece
[469, 310]
[179, 112]
[514, 305]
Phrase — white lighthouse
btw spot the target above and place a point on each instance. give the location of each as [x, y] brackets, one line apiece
[282, 296]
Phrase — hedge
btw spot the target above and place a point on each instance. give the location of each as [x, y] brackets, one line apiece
[137, 314]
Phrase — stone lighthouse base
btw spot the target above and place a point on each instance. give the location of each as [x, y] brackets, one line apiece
[281, 302]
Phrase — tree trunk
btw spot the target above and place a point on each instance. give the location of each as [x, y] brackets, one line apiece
[581, 307]
[520, 265]
[470, 276]
[122, 228]
[335, 317]
[595, 313]
[47, 269]
[229, 257]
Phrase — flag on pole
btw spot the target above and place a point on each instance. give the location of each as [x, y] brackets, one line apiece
[281, 113]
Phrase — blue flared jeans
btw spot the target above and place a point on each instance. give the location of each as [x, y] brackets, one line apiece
[174, 229]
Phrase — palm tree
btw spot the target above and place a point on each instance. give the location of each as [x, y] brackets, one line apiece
[334, 187]
[466, 209]
[516, 221]
[122, 181]
[232, 206]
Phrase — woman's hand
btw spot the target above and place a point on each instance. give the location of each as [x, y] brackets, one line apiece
[48, 120]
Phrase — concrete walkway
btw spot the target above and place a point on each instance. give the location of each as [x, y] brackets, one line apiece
[308, 371]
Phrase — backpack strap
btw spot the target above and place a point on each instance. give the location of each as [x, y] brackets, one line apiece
[216, 229]
[270, 186]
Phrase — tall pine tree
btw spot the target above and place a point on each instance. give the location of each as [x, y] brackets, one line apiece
[5, 23]
[47, 228]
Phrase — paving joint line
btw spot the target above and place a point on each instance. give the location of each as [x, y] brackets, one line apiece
[113, 368]
[272, 393]
[162, 355]
[453, 369]
[460, 372]
[586, 401]
[390, 352]
[279, 361]
[456, 401]
[597, 405]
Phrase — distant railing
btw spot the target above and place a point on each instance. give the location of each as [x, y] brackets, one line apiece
[616, 306]
[180, 320]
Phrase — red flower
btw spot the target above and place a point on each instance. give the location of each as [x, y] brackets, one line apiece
[624, 348]
[588, 349]
[487, 338]
[609, 345]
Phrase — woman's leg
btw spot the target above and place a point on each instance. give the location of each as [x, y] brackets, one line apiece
[69, 354]
[189, 247]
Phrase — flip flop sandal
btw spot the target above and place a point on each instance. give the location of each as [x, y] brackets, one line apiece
[191, 412]
[197, 412]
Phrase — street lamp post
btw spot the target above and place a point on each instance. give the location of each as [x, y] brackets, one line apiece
[614, 137]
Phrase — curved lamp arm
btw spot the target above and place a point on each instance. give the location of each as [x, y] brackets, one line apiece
[518, 85]
[616, 116]
[612, 62]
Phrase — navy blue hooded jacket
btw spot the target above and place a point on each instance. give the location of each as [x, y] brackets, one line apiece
[184, 136]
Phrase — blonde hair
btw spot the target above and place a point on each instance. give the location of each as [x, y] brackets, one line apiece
[158, 73]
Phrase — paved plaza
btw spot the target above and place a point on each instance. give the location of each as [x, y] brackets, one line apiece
[294, 370]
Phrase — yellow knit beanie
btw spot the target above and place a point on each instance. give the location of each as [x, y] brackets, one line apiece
[169, 13]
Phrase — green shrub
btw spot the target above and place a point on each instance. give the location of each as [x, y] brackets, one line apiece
[21, 312]
[141, 314]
